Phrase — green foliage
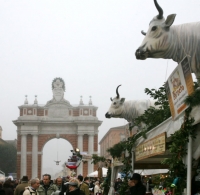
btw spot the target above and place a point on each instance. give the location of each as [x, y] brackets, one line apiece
[154, 116]
[106, 183]
[193, 100]
[117, 149]
[151, 118]
[8, 162]
[179, 140]
[127, 169]
[96, 159]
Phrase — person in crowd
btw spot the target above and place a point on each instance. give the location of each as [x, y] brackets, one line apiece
[97, 190]
[1, 184]
[73, 187]
[91, 187]
[16, 183]
[67, 179]
[117, 186]
[144, 182]
[21, 187]
[32, 189]
[60, 185]
[99, 180]
[83, 186]
[7, 189]
[136, 186]
[87, 181]
[47, 187]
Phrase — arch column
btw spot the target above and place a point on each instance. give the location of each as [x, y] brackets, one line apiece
[80, 146]
[34, 156]
[23, 155]
[90, 152]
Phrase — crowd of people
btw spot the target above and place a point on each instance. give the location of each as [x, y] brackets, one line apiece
[61, 186]
[67, 186]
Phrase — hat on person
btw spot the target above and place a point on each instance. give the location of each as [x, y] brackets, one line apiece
[24, 178]
[136, 176]
[73, 182]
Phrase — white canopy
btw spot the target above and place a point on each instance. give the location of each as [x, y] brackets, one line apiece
[95, 173]
[141, 172]
[151, 171]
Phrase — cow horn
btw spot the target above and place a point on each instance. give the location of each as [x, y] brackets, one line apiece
[160, 16]
[111, 99]
[143, 33]
[117, 91]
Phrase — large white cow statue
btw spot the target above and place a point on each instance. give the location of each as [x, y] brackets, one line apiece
[164, 40]
[128, 110]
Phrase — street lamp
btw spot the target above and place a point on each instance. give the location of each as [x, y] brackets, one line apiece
[74, 160]
[57, 162]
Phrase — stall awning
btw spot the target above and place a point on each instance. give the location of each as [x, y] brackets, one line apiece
[151, 171]
[95, 173]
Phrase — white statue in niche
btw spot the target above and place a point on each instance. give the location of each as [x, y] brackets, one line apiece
[58, 89]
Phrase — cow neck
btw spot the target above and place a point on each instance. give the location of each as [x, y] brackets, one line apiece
[129, 111]
[185, 41]
[173, 45]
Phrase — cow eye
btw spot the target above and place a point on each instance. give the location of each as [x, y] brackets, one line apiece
[153, 28]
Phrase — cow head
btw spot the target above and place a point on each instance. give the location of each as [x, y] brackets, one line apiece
[116, 107]
[156, 41]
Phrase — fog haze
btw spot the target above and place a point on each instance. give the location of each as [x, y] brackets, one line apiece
[90, 44]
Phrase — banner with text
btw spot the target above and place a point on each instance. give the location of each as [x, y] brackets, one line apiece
[152, 147]
[178, 86]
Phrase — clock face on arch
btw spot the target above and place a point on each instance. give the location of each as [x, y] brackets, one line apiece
[29, 111]
[85, 111]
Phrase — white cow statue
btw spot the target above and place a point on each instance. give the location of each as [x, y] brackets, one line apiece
[128, 110]
[164, 40]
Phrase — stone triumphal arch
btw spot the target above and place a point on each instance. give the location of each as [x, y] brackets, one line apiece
[37, 124]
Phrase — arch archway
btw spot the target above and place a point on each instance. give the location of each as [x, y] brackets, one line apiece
[56, 150]
[37, 124]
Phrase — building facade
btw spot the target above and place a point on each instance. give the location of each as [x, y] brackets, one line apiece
[112, 137]
[37, 124]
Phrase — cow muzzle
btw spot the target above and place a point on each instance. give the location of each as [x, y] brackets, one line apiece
[141, 54]
[107, 115]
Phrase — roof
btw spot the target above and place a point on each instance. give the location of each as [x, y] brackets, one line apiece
[11, 142]
[2, 141]
[111, 129]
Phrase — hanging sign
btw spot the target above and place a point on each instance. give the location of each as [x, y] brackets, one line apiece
[178, 86]
[151, 147]
[71, 165]
[117, 162]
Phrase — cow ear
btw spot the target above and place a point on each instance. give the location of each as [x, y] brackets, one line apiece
[170, 20]
[122, 100]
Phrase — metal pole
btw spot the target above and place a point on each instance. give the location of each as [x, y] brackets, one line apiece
[111, 190]
[189, 166]
[133, 160]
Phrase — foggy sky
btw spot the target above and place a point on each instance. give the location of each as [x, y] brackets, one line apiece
[90, 44]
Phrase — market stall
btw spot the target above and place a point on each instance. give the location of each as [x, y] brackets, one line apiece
[95, 173]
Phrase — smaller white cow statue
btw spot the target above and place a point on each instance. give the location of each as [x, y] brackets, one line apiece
[128, 110]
